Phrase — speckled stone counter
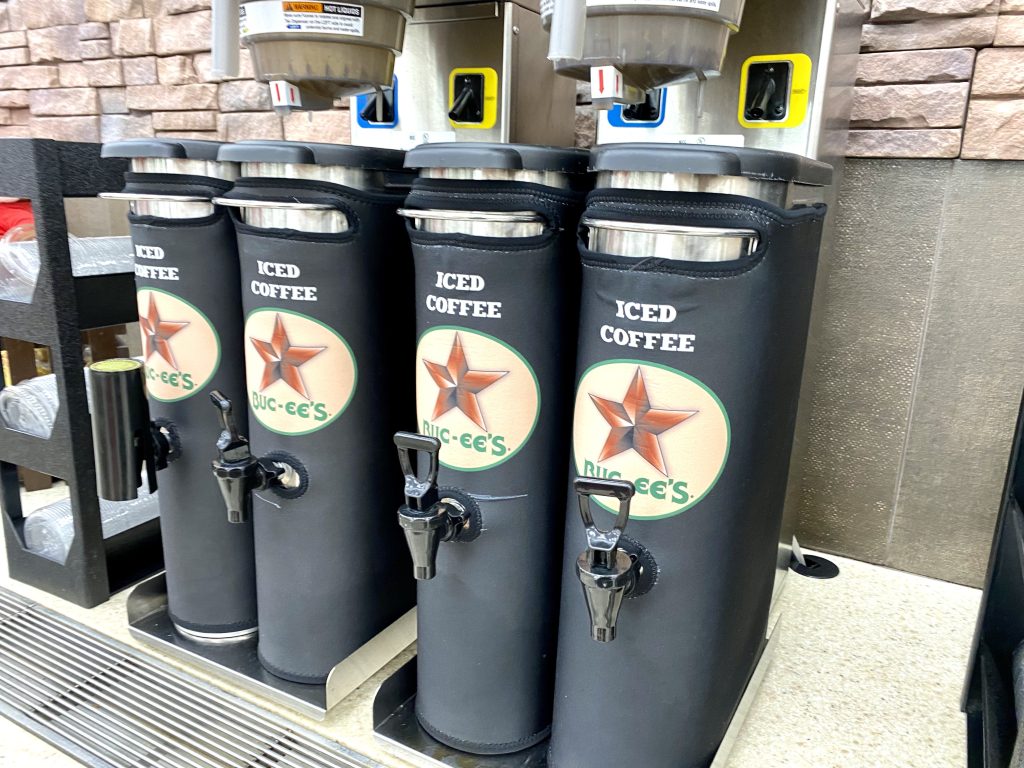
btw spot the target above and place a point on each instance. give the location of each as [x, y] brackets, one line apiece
[867, 673]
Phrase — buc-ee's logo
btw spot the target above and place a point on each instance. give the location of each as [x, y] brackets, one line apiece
[180, 344]
[476, 394]
[300, 373]
[663, 430]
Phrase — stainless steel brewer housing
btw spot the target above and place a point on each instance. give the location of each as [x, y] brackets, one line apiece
[654, 43]
[333, 163]
[496, 49]
[521, 163]
[778, 178]
[328, 50]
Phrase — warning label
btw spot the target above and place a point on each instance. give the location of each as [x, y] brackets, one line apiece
[269, 16]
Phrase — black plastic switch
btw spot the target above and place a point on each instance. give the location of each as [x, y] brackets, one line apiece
[768, 87]
[468, 102]
[380, 107]
[647, 111]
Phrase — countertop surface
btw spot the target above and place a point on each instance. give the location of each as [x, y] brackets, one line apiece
[867, 672]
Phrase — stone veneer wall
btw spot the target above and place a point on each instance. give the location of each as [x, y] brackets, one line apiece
[941, 78]
[101, 70]
[92, 70]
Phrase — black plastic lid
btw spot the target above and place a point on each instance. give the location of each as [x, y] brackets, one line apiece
[716, 161]
[177, 149]
[513, 157]
[312, 153]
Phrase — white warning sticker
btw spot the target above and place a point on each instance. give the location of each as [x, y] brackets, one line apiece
[698, 5]
[269, 16]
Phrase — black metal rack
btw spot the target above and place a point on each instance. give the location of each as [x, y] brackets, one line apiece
[991, 700]
[62, 306]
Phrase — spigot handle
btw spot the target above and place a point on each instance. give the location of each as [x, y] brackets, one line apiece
[602, 544]
[227, 418]
[223, 403]
[607, 574]
[237, 470]
[420, 494]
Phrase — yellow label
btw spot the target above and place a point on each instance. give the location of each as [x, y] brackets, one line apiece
[301, 374]
[116, 365]
[799, 90]
[180, 345]
[490, 96]
[476, 394]
[304, 7]
[657, 427]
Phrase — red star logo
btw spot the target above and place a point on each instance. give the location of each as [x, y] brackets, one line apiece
[635, 424]
[157, 333]
[282, 359]
[458, 386]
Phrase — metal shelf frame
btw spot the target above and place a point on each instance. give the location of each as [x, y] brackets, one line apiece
[46, 172]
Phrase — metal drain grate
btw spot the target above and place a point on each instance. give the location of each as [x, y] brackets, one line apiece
[108, 705]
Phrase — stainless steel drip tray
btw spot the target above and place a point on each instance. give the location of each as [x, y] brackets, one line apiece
[150, 623]
[237, 662]
[395, 724]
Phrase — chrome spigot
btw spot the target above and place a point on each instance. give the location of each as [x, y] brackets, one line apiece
[607, 573]
[238, 472]
[426, 518]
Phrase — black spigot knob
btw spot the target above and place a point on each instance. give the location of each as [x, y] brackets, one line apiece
[235, 487]
[646, 111]
[464, 106]
[759, 106]
[238, 472]
[380, 106]
[236, 469]
[467, 104]
[607, 573]
[426, 518]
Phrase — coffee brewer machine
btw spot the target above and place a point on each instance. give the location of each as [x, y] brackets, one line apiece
[429, 71]
[661, 71]
[764, 74]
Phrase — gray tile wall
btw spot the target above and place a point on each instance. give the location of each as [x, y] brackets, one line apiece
[915, 366]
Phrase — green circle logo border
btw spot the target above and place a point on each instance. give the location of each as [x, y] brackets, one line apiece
[728, 435]
[533, 376]
[216, 338]
[351, 354]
